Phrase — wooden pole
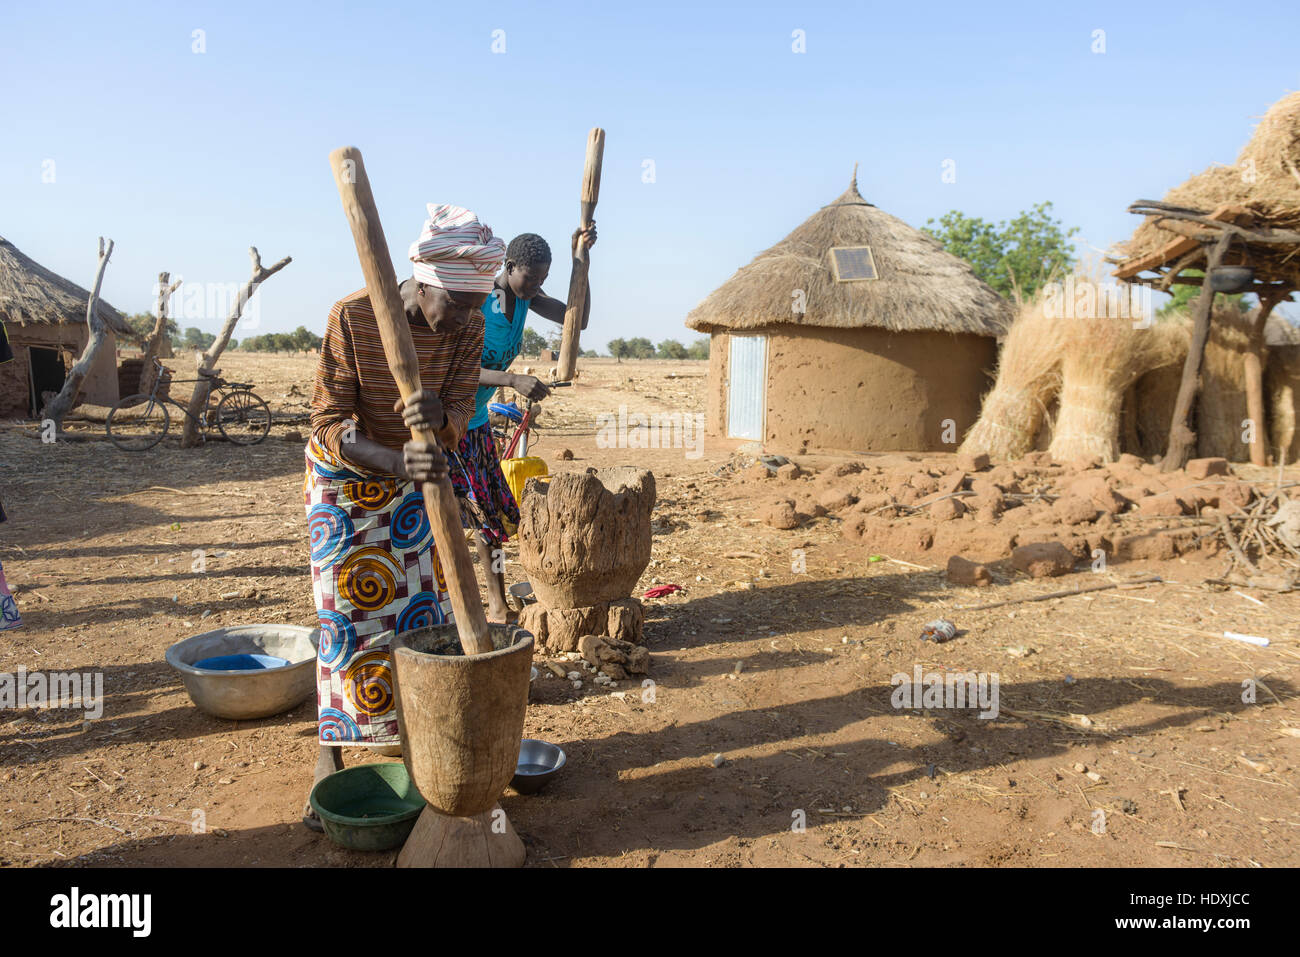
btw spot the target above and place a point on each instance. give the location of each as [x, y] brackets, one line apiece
[399, 348]
[1254, 382]
[569, 343]
[1182, 440]
[61, 404]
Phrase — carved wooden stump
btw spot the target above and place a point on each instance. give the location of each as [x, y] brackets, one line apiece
[462, 721]
[584, 540]
[584, 537]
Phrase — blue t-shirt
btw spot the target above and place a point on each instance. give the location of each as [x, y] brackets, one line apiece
[502, 338]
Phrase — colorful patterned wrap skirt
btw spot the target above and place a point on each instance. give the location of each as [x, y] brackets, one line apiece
[374, 572]
[482, 492]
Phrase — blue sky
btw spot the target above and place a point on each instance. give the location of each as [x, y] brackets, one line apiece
[186, 158]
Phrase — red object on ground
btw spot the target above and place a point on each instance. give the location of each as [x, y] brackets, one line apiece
[659, 591]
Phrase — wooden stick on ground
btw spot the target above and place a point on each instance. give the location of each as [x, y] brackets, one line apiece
[1145, 579]
[399, 347]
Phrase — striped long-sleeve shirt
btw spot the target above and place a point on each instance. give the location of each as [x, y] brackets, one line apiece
[354, 384]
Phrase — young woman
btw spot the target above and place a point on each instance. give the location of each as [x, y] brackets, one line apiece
[485, 499]
[374, 566]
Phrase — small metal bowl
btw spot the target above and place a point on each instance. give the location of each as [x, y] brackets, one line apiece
[539, 761]
[243, 694]
[1231, 279]
[522, 592]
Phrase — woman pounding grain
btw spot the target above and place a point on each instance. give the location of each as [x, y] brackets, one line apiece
[486, 502]
[375, 569]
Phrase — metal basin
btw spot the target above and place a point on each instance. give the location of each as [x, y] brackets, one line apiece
[539, 761]
[243, 694]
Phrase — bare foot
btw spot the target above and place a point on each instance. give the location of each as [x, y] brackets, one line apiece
[327, 762]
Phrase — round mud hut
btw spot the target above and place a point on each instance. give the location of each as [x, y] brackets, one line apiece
[44, 318]
[854, 333]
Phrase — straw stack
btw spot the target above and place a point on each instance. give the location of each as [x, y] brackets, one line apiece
[1101, 358]
[1028, 376]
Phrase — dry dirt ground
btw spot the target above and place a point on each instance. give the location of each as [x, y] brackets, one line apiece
[785, 674]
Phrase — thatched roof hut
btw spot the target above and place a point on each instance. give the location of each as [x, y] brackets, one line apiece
[44, 317]
[855, 332]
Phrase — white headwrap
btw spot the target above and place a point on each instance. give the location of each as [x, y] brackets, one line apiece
[455, 251]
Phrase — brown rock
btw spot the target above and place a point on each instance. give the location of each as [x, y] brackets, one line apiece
[788, 472]
[616, 658]
[1129, 460]
[1085, 462]
[1043, 559]
[951, 482]
[1073, 510]
[1234, 493]
[1204, 468]
[584, 537]
[1166, 504]
[779, 515]
[973, 461]
[923, 482]
[835, 499]
[946, 509]
[757, 472]
[962, 571]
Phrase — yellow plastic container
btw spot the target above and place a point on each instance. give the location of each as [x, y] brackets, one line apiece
[519, 470]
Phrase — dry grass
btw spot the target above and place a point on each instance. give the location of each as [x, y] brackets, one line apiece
[1028, 377]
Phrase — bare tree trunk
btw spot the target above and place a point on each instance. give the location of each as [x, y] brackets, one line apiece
[59, 406]
[207, 361]
[1182, 440]
[154, 343]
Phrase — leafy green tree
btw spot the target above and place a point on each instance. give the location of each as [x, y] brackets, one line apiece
[671, 349]
[533, 342]
[618, 348]
[699, 349]
[1021, 255]
[195, 338]
[640, 348]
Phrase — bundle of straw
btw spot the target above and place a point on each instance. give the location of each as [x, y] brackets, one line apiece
[1221, 402]
[1101, 358]
[1156, 391]
[1028, 376]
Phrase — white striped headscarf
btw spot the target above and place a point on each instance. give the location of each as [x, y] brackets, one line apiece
[455, 251]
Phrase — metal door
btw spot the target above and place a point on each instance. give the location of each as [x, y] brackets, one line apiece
[747, 387]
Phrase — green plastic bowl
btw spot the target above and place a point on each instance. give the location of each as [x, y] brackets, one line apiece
[370, 807]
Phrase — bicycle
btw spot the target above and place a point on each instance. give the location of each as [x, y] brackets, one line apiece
[140, 421]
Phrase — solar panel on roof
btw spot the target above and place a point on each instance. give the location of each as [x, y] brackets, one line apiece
[853, 263]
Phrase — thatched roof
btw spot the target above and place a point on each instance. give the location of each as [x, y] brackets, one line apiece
[1264, 183]
[30, 293]
[921, 286]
